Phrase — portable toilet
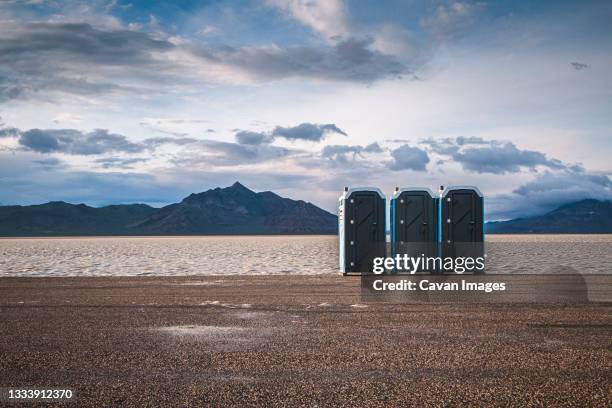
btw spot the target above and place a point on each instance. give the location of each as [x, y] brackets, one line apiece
[461, 222]
[414, 222]
[361, 229]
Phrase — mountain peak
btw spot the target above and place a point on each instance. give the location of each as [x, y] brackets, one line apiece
[237, 184]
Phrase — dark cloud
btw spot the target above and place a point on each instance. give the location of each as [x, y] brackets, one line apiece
[472, 140]
[40, 57]
[489, 156]
[407, 157]
[71, 141]
[502, 158]
[50, 163]
[77, 42]
[445, 146]
[567, 180]
[40, 141]
[449, 146]
[306, 131]
[349, 60]
[340, 152]
[98, 141]
[373, 148]
[548, 191]
[9, 132]
[43, 57]
[579, 65]
[252, 138]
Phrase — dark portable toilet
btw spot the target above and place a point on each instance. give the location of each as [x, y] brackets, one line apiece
[361, 222]
[414, 223]
[461, 222]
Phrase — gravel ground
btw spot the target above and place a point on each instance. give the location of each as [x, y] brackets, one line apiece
[294, 340]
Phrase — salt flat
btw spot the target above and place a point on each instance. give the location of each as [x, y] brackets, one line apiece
[306, 340]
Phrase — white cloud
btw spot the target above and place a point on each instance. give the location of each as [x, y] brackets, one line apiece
[392, 39]
[326, 17]
[451, 21]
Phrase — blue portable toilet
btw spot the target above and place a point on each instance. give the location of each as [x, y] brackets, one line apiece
[414, 222]
[361, 229]
[461, 222]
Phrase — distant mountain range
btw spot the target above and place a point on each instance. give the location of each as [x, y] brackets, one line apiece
[238, 210]
[582, 217]
[231, 210]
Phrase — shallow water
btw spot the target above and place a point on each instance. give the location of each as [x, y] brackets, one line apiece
[266, 255]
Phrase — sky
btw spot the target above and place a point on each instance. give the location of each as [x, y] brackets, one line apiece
[118, 101]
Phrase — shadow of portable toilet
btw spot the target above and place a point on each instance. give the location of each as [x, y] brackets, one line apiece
[414, 224]
[361, 229]
[461, 222]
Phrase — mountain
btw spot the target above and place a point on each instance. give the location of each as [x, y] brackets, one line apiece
[60, 218]
[582, 217]
[231, 210]
[238, 210]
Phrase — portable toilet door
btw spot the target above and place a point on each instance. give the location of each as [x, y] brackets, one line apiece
[414, 223]
[461, 222]
[361, 218]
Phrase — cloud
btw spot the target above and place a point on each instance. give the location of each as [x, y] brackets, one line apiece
[393, 39]
[71, 141]
[407, 157]
[119, 162]
[40, 141]
[77, 42]
[488, 156]
[567, 180]
[212, 152]
[502, 158]
[462, 140]
[451, 21]
[96, 142]
[50, 163]
[449, 146]
[154, 142]
[306, 131]
[251, 138]
[341, 153]
[579, 65]
[25, 182]
[325, 17]
[77, 58]
[548, 191]
[9, 132]
[334, 150]
[38, 56]
[445, 146]
[350, 60]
